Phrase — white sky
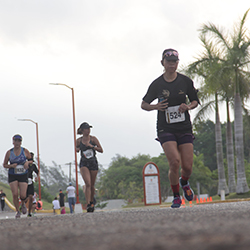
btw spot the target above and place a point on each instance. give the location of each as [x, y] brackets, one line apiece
[109, 51]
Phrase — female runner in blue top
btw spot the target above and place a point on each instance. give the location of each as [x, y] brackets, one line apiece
[16, 160]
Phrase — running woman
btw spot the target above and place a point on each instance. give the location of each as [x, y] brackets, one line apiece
[30, 190]
[16, 161]
[174, 127]
[88, 145]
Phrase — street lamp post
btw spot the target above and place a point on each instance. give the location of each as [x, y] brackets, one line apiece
[38, 160]
[74, 129]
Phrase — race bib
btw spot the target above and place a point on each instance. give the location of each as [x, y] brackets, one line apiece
[19, 169]
[89, 153]
[173, 115]
[29, 181]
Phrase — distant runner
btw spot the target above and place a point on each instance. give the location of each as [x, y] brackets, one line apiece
[88, 145]
[71, 197]
[16, 161]
[61, 201]
[2, 197]
[30, 189]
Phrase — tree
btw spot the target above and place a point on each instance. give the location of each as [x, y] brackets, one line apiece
[123, 179]
[204, 132]
[207, 67]
[236, 60]
[116, 180]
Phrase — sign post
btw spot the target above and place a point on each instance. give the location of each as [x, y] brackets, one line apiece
[151, 184]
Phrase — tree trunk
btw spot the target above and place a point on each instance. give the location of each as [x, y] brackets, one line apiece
[219, 153]
[242, 186]
[230, 154]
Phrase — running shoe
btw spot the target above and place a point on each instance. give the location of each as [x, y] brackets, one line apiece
[29, 215]
[18, 214]
[176, 203]
[90, 208]
[24, 209]
[187, 190]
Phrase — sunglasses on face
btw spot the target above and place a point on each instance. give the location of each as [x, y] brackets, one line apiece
[171, 53]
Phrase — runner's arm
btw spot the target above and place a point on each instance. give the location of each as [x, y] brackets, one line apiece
[161, 106]
[78, 144]
[6, 160]
[98, 146]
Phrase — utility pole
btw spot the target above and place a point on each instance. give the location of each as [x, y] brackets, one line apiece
[69, 170]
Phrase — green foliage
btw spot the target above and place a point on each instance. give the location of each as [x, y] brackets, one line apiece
[204, 143]
[123, 179]
[203, 175]
[101, 205]
[121, 174]
[53, 178]
[45, 195]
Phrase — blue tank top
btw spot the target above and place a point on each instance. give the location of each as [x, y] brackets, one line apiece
[20, 160]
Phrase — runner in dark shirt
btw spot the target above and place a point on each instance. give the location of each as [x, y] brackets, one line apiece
[174, 127]
[61, 200]
[88, 145]
[2, 198]
[30, 190]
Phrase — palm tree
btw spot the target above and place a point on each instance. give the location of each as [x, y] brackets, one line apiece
[230, 153]
[236, 54]
[227, 95]
[207, 67]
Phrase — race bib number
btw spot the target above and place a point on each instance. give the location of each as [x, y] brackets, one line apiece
[29, 181]
[19, 169]
[173, 115]
[89, 153]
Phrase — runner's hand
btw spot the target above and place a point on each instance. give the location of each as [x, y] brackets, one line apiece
[163, 105]
[14, 165]
[183, 108]
[26, 164]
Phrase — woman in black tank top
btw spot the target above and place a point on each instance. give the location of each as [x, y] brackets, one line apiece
[88, 146]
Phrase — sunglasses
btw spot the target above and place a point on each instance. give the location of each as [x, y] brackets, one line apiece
[171, 53]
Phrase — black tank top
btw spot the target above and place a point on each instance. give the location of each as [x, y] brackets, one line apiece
[86, 151]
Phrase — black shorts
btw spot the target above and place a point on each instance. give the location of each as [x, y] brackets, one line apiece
[177, 137]
[90, 164]
[62, 203]
[18, 177]
[30, 189]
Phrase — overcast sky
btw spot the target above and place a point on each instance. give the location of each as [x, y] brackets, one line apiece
[109, 51]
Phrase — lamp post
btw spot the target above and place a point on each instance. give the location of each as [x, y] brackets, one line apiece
[74, 130]
[38, 160]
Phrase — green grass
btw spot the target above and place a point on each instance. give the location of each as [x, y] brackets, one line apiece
[7, 191]
[233, 196]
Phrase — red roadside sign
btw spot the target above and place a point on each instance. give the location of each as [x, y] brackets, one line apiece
[151, 184]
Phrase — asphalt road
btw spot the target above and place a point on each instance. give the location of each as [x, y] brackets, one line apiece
[211, 226]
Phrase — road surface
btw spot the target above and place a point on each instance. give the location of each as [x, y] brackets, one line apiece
[209, 226]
